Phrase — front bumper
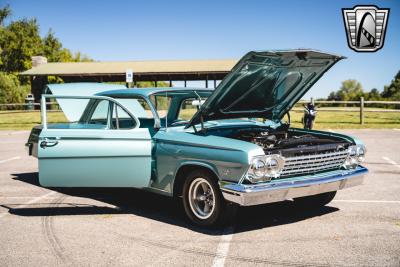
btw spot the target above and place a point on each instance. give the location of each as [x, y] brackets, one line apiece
[280, 190]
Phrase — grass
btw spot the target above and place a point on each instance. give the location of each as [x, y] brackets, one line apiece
[325, 119]
[15, 120]
[351, 120]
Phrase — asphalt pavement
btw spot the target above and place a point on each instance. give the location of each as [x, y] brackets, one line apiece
[121, 227]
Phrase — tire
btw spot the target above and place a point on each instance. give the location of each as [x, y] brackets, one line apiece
[316, 201]
[203, 202]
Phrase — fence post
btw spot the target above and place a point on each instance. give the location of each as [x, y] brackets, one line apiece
[361, 110]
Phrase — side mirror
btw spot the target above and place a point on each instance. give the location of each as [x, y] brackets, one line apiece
[198, 103]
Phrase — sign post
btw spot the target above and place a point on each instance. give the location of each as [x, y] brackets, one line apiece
[129, 77]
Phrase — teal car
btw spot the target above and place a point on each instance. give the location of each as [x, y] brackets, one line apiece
[213, 149]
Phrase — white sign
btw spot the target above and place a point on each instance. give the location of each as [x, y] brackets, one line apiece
[129, 76]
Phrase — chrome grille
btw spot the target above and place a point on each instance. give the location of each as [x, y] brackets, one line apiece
[313, 163]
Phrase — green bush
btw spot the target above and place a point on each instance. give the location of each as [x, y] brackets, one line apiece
[11, 91]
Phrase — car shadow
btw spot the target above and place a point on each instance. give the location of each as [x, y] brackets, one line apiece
[157, 207]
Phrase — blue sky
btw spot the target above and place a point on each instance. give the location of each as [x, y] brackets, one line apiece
[161, 30]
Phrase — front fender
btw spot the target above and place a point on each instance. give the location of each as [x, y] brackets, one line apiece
[228, 159]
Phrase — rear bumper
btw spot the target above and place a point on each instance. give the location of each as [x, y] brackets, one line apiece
[275, 191]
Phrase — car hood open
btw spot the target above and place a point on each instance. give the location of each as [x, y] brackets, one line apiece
[265, 84]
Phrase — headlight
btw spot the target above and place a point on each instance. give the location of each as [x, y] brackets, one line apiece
[258, 168]
[265, 168]
[361, 153]
[274, 166]
[356, 155]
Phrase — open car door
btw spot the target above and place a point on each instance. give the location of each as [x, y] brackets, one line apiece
[104, 148]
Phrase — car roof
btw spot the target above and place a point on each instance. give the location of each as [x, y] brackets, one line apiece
[149, 91]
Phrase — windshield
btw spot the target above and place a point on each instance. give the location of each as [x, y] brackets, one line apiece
[188, 108]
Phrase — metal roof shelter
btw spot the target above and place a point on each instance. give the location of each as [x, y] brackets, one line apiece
[172, 70]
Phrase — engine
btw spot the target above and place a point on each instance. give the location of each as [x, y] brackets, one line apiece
[282, 139]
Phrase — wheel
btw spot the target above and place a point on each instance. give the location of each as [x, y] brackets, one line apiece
[315, 201]
[202, 199]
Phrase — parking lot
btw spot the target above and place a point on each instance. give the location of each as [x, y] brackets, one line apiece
[42, 226]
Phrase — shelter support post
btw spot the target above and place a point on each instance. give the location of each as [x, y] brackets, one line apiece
[38, 84]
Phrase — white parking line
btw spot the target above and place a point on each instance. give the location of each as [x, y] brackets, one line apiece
[391, 162]
[368, 201]
[10, 159]
[223, 247]
[30, 202]
[396, 130]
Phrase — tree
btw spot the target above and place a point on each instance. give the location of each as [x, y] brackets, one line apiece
[350, 90]
[52, 47]
[10, 89]
[392, 91]
[5, 12]
[20, 41]
[79, 57]
[54, 51]
[372, 95]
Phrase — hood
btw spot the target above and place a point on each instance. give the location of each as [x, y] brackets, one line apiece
[265, 85]
[73, 108]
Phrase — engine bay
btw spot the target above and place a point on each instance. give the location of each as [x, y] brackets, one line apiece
[284, 140]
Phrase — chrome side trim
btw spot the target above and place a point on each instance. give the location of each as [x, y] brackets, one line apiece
[191, 144]
[280, 190]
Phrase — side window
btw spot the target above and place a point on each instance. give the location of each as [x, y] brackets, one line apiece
[121, 119]
[100, 113]
[137, 106]
[161, 104]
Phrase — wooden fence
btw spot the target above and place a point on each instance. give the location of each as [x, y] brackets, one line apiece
[360, 106]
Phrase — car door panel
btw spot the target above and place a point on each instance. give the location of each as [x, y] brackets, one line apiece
[93, 152]
[95, 158]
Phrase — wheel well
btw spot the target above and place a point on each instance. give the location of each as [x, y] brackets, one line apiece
[180, 177]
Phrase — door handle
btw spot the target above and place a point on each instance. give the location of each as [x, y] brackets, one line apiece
[48, 143]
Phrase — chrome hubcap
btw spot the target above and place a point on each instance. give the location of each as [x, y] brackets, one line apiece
[201, 198]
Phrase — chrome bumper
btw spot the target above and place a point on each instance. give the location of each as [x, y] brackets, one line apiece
[280, 190]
